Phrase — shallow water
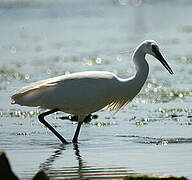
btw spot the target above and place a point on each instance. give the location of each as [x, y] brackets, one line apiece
[153, 134]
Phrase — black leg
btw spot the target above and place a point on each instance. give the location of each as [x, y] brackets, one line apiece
[75, 137]
[42, 120]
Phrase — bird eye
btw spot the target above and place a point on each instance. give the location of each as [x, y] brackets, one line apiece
[154, 47]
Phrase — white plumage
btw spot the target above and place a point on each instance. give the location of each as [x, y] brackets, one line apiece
[78, 93]
[83, 93]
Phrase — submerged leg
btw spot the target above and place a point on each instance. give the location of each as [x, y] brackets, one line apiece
[42, 120]
[80, 122]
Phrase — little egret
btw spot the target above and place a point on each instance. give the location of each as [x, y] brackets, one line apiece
[83, 93]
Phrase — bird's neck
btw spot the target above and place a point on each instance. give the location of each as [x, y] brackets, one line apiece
[141, 66]
[132, 86]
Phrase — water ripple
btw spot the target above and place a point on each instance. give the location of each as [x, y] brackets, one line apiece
[90, 172]
[81, 170]
[157, 141]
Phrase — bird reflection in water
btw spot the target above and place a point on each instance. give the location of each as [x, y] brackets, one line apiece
[81, 163]
[46, 166]
[82, 170]
[64, 172]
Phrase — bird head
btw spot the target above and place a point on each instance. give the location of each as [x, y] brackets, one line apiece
[151, 47]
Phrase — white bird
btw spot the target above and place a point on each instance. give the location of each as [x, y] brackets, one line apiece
[86, 92]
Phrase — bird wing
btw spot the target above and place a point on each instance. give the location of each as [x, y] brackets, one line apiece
[33, 88]
[73, 91]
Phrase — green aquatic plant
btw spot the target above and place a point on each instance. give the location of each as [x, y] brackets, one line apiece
[101, 123]
[152, 177]
[18, 113]
[171, 41]
[158, 93]
[181, 116]
[186, 29]
[141, 122]
[184, 58]
[2, 88]
[9, 73]
[175, 110]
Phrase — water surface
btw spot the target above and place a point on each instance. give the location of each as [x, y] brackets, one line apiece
[152, 134]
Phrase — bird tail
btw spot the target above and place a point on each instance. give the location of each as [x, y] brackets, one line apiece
[15, 98]
[24, 98]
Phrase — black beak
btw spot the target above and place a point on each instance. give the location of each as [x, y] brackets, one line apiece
[162, 60]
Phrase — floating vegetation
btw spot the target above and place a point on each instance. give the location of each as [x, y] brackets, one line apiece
[171, 41]
[175, 110]
[162, 141]
[157, 93]
[156, 141]
[181, 115]
[141, 122]
[2, 88]
[102, 123]
[184, 59]
[152, 177]
[22, 134]
[18, 113]
[186, 29]
[165, 141]
[12, 74]
[180, 93]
